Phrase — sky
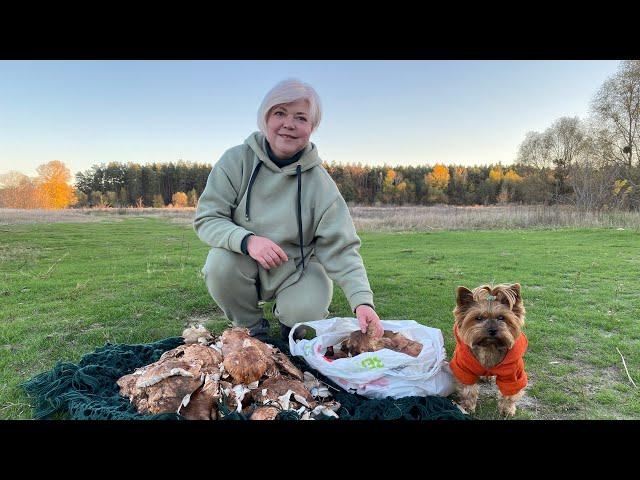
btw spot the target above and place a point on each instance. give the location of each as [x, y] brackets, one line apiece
[422, 112]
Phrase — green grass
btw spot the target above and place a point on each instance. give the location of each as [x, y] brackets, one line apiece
[66, 289]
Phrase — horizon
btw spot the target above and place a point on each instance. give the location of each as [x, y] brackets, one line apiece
[376, 113]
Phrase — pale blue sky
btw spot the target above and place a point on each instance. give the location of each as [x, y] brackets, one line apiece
[375, 112]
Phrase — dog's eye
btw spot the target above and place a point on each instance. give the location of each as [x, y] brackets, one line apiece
[500, 317]
[479, 318]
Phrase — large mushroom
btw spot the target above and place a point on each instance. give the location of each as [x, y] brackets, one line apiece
[233, 339]
[265, 413]
[167, 395]
[246, 365]
[402, 344]
[359, 342]
[273, 389]
[203, 403]
[197, 334]
[209, 357]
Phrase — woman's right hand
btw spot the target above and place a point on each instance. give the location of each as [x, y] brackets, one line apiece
[265, 252]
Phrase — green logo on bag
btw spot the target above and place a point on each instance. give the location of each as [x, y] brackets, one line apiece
[372, 362]
[307, 350]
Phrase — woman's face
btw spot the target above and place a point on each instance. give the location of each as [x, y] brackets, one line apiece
[288, 128]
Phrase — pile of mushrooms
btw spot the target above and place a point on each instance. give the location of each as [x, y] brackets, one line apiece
[359, 342]
[232, 369]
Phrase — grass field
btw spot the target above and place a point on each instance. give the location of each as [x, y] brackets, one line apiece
[67, 288]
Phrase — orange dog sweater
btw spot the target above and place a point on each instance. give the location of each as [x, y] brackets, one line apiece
[510, 374]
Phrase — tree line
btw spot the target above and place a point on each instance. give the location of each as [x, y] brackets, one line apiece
[152, 185]
[156, 185]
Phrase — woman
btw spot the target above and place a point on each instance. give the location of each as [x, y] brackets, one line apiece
[278, 226]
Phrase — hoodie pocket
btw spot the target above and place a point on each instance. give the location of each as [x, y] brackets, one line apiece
[279, 277]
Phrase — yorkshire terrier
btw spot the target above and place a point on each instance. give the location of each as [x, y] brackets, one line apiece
[489, 343]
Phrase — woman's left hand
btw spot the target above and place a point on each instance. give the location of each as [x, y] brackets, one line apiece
[367, 315]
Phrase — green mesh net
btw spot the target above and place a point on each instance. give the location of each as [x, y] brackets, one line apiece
[88, 390]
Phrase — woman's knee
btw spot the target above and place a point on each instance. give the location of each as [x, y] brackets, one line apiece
[306, 300]
[225, 268]
[292, 312]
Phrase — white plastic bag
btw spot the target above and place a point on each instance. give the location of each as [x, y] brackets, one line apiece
[384, 373]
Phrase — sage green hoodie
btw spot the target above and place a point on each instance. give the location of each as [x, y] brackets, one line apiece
[228, 210]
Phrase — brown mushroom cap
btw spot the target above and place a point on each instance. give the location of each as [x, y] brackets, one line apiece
[197, 334]
[232, 339]
[203, 402]
[246, 365]
[209, 357]
[142, 405]
[359, 342]
[402, 344]
[128, 388]
[167, 395]
[169, 368]
[413, 349]
[275, 387]
[286, 365]
[264, 413]
[127, 385]
[340, 354]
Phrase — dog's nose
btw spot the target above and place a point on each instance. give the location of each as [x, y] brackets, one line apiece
[492, 332]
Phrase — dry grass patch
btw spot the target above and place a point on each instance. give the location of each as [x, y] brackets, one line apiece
[373, 218]
[12, 216]
[449, 217]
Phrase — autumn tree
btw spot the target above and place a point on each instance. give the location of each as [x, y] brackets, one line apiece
[53, 182]
[438, 180]
[179, 199]
[439, 177]
[510, 187]
[389, 186]
[495, 174]
[17, 190]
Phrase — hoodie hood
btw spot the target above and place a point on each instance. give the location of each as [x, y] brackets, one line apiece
[309, 159]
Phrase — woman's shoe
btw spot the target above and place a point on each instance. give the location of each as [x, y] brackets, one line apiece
[261, 330]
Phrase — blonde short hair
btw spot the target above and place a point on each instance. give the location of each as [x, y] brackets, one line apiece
[288, 91]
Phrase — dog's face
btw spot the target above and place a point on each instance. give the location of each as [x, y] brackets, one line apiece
[489, 316]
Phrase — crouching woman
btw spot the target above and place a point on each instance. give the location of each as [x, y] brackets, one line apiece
[277, 225]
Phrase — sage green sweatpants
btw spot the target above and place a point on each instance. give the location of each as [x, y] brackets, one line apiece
[231, 281]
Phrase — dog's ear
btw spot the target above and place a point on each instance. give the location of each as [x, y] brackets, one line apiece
[509, 295]
[518, 307]
[464, 297]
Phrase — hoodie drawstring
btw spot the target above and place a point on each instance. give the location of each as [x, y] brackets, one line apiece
[299, 174]
[254, 174]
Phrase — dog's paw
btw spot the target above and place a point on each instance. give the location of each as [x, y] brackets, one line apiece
[468, 406]
[507, 408]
